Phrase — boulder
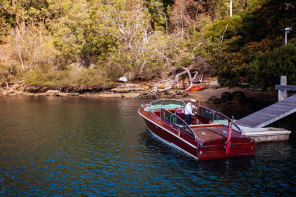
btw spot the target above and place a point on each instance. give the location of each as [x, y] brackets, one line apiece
[238, 97]
[53, 93]
[226, 97]
[74, 94]
[8, 92]
[214, 100]
[170, 92]
[129, 87]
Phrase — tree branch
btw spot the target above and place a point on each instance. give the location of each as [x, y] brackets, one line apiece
[222, 36]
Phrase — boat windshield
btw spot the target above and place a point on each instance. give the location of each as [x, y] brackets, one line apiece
[217, 117]
[166, 103]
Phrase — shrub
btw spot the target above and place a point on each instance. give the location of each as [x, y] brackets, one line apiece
[49, 75]
[224, 34]
[265, 70]
[46, 75]
[4, 72]
[232, 67]
[87, 76]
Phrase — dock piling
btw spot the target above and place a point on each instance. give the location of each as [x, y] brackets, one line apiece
[253, 124]
[282, 94]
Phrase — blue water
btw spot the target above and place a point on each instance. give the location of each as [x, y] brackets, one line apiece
[55, 146]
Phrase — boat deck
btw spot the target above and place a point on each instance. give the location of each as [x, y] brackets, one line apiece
[205, 134]
[212, 132]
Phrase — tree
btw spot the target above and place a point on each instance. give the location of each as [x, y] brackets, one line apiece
[130, 25]
[159, 19]
[70, 28]
[230, 8]
[16, 12]
[265, 70]
[187, 13]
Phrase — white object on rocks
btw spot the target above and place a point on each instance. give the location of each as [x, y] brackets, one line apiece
[122, 79]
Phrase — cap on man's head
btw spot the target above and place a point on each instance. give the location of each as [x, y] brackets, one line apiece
[192, 100]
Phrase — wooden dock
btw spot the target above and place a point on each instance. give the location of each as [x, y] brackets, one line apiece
[253, 123]
[266, 134]
[269, 114]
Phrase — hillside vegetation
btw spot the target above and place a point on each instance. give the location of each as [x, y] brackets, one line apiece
[91, 42]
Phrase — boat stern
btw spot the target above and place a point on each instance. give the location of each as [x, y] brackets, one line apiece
[218, 150]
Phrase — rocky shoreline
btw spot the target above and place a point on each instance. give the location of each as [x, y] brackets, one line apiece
[213, 95]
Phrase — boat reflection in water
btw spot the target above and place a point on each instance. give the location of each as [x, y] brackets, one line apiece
[211, 136]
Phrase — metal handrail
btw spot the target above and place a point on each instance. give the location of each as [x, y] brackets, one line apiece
[226, 117]
[179, 119]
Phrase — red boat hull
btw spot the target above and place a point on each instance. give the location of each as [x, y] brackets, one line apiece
[172, 138]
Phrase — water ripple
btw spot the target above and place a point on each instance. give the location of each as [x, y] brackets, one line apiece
[83, 147]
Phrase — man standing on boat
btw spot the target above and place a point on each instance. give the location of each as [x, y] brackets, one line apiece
[189, 111]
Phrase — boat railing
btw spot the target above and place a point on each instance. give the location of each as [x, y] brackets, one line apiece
[218, 117]
[177, 122]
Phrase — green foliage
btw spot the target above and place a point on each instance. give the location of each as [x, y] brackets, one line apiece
[224, 35]
[9, 73]
[259, 30]
[46, 75]
[83, 32]
[4, 73]
[159, 17]
[274, 16]
[5, 28]
[88, 76]
[63, 42]
[232, 67]
[265, 70]
[220, 9]
[49, 75]
[69, 28]
[16, 12]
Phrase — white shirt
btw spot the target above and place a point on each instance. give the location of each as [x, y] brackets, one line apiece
[188, 109]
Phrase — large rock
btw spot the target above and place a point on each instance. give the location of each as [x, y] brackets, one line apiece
[8, 92]
[129, 87]
[36, 88]
[53, 93]
[214, 100]
[68, 88]
[226, 97]
[238, 97]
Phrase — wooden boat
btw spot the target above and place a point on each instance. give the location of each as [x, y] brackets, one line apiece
[212, 135]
